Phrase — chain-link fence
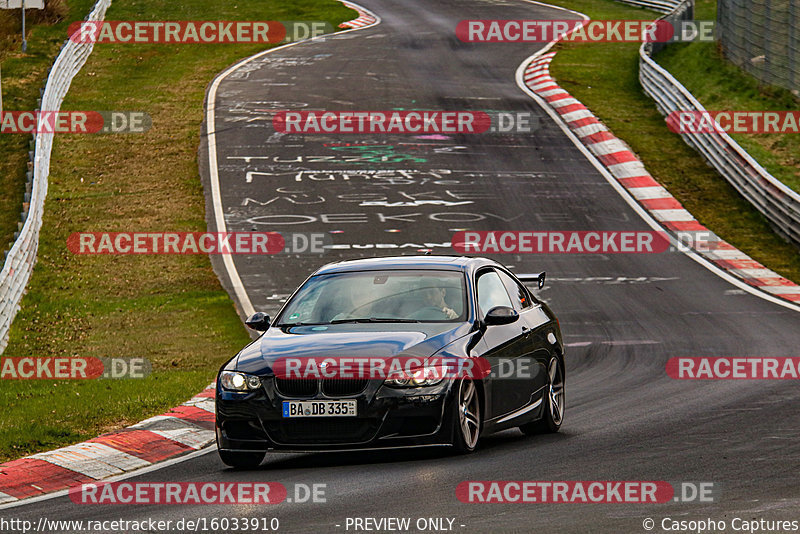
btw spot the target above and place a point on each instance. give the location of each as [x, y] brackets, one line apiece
[761, 37]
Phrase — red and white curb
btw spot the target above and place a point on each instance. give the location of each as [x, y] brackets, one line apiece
[364, 18]
[629, 171]
[184, 429]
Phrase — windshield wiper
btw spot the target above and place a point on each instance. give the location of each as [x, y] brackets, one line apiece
[374, 320]
[300, 324]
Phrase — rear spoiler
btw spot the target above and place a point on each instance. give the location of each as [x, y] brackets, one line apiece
[530, 278]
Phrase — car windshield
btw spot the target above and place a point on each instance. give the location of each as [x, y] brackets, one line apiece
[378, 296]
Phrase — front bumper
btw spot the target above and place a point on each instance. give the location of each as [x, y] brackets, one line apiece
[387, 417]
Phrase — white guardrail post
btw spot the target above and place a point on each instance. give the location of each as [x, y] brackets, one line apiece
[21, 258]
[773, 199]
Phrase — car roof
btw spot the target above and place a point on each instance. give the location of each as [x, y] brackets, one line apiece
[439, 263]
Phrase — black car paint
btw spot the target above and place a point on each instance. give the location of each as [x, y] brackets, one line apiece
[257, 414]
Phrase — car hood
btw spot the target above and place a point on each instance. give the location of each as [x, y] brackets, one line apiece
[347, 340]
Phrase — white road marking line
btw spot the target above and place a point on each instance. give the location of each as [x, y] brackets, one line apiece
[542, 85]
[194, 438]
[782, 290]
[95, 460]
[649, 193]
[153, 420]
[629, 169]
[728, 255]
[564, 102]
[761, 274]
[672, 215]
[585, 131]
[577, 115]
[552, 92]
[204, 403]
[612, 146]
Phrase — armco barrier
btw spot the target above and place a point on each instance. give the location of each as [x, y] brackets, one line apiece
[662, 6]
[778, 203]
[21, 258]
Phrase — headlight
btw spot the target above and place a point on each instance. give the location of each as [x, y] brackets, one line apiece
[234, 381]
[416, 378]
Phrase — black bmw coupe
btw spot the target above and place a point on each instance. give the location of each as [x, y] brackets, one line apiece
[394, 352]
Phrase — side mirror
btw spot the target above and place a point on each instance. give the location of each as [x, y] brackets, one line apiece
[258, 321]
[501, 315]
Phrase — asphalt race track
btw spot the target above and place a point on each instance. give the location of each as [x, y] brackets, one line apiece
[623, 315]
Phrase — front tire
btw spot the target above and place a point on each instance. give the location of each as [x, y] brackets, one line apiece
[554, 402]
[467, 419]
[241, 460]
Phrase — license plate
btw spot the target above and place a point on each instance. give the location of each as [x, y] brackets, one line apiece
[346, 408]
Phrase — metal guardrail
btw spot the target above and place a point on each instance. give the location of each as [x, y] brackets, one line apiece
[662, 6]
[19, 261]
[777, 202]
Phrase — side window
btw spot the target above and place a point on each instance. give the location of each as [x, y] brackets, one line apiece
[518, 293]
[491, 292]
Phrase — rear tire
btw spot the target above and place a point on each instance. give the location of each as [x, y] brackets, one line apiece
[242, 460]
[554, 402]
[467, 418]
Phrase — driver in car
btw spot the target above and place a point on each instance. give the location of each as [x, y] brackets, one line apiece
[434, 298]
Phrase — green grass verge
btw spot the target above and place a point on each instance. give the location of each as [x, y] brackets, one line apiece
[168, 309]
[604, 76]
